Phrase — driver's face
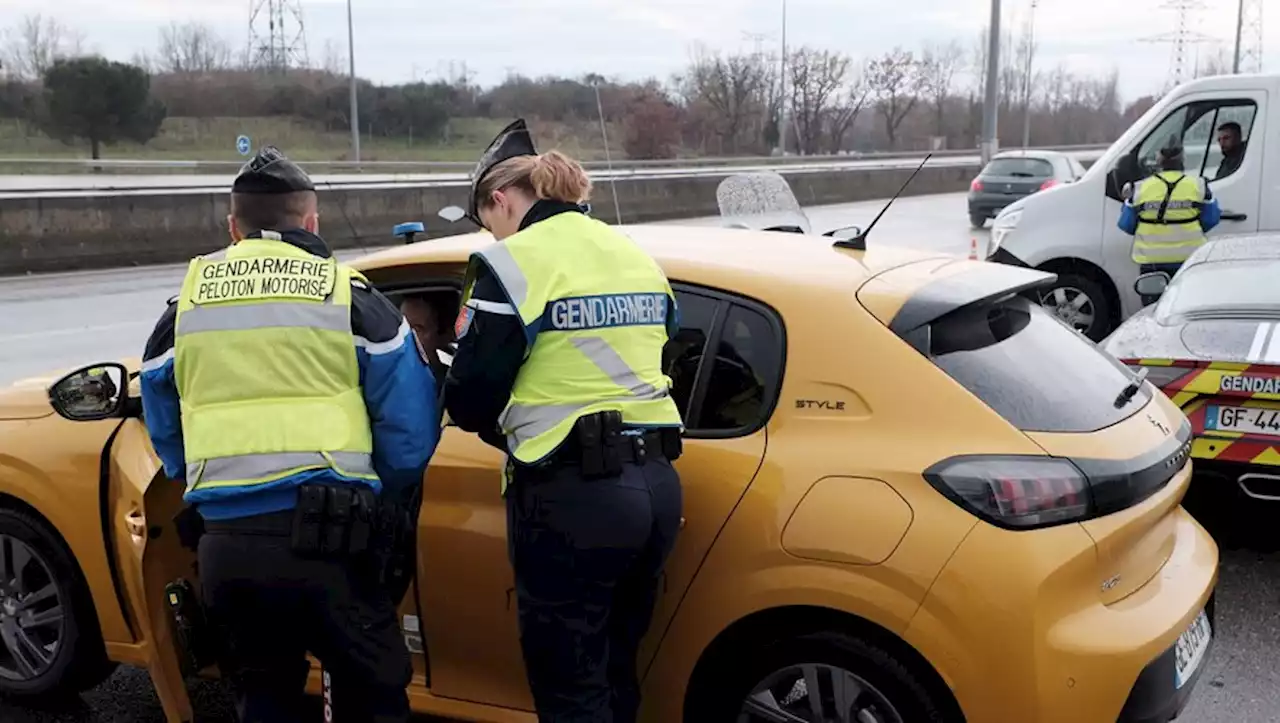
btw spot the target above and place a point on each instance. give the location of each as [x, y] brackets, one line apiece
[1228, 141]
[423, 320]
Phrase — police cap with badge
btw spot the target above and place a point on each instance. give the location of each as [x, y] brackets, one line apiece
[514, 141]
[271, 172]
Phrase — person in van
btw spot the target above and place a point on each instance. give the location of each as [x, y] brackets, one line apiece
[1168, 215]
[1231, 141]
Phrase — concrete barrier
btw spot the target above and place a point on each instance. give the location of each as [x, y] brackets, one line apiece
[45, 234]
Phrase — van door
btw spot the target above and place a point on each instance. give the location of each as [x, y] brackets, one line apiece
[1196, 122]
[141, 503]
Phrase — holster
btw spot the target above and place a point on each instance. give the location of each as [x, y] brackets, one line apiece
[598, 437]
[197, 642]
[333, 521]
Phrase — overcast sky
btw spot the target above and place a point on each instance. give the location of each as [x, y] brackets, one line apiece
[396, 40]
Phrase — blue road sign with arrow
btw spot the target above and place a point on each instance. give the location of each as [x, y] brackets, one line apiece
[242, 145]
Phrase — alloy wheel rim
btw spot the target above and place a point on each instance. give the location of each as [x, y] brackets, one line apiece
[1071, 305]
[32, 622]
[815, 693]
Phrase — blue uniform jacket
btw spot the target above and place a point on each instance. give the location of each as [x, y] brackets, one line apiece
[1210, 214]
[399, 391]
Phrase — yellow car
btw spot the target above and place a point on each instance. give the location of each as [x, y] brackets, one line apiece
[911, 496]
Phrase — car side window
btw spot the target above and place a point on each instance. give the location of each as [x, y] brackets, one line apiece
[733, 391]
[682, 356]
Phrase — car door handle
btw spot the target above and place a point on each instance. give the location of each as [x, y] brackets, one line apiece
[1233, 216]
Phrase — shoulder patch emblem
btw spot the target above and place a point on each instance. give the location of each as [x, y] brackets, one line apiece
[463, 323]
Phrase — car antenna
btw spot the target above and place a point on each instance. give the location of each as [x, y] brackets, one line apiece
[859, 242]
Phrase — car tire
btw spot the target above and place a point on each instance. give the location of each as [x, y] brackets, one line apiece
[1061, 300]
[32, 555]
[978, 222]
[889, 690]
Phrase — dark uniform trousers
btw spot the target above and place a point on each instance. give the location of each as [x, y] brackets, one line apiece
[588, 557]
[271, 607]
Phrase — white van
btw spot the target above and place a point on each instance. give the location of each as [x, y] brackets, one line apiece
[1071, 229]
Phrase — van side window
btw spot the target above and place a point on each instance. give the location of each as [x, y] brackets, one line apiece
[1214, 136]
[732, 392]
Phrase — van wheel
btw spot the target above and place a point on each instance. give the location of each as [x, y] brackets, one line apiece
[49, 639]
[1081, 303]
[817, 678]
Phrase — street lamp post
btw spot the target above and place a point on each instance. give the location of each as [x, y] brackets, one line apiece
[782, 89]
[1026, 94]
[355, 105]
[990, 141]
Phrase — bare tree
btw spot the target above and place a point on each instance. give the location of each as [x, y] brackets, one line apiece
[30, 47]
[895, 81]
[333, 58]
[817, 77]
[939, 65]
[844, 115]
[191, 48]
[732, 87]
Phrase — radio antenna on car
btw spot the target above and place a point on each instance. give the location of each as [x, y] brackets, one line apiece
[859, 242]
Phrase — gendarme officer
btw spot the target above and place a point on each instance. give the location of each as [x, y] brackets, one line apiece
[291, 398]
[559, 362]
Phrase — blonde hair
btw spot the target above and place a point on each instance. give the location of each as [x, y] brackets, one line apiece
[549, 176]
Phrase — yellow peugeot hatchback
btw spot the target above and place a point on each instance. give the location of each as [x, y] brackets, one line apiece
[911, 496]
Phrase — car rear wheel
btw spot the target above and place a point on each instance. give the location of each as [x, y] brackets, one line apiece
[977, 221]
[49, 640]
[821, 678]
[1081, 303]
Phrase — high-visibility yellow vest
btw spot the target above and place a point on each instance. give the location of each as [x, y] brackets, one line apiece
[1168, 205]
[594, 308]
[265, 364]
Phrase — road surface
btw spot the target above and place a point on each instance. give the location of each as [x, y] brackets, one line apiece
[68, 319]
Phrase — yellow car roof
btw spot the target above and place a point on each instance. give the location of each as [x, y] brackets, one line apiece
[749, 262]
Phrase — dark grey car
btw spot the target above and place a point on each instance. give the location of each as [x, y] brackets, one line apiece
[1013, 175]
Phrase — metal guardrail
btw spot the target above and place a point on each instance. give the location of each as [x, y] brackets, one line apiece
[677, 163]
[75, 185]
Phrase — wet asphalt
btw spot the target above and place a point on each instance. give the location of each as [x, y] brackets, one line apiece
[58, 321]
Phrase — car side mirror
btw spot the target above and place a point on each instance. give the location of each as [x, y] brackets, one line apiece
[92, 393]
[845, 234]
[1152, 284]
[452, 214]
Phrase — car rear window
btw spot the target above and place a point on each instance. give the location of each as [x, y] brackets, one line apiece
[1239, 285]
[1030, 368]
[1023, 167]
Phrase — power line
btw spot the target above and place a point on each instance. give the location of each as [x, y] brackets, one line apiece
[277, 35]
[1182, 37]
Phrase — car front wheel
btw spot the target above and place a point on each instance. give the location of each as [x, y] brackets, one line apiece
[1080, 302]
[820, 678]
[49, 640]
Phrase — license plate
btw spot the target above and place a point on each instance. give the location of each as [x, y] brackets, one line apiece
[1249, 420]
[1191, 648]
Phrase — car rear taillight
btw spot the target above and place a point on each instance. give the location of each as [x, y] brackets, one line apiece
[1019, 493]
[976, 186]
[1048, 184]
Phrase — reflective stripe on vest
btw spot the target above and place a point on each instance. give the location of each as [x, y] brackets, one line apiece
[594, 307]
[1168, 206]
[264, 357]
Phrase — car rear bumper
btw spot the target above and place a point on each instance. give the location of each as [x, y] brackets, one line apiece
[1044, 649]
[991, 204]
[1155, 698]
